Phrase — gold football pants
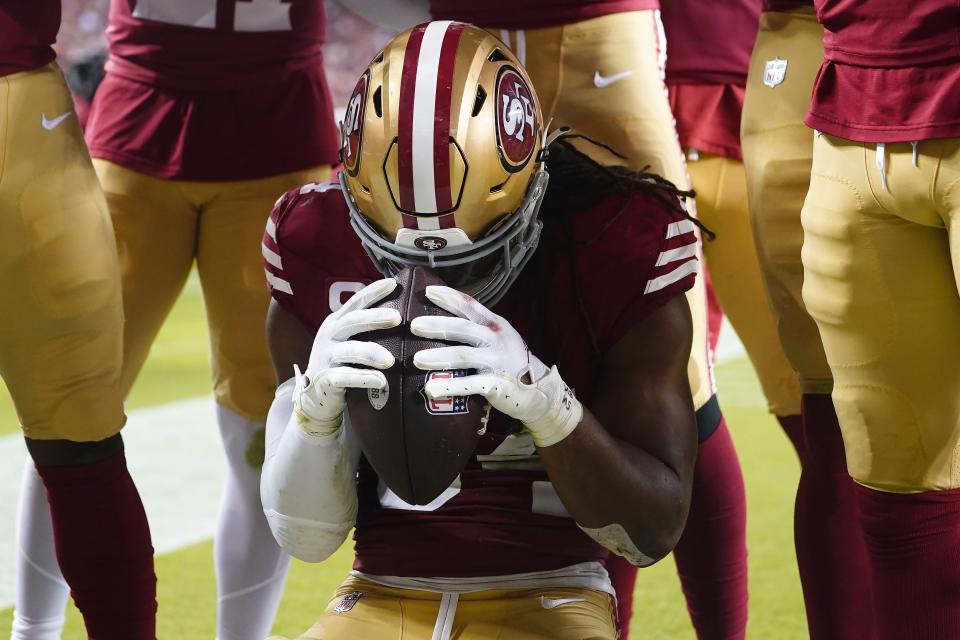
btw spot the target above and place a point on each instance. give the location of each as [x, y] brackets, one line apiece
[881, 262]
[604, 78]
[162, 226]
[777, 154]
[369, 611]
[60, 312]
[737, 282]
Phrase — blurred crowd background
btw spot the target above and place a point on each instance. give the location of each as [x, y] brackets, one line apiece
[351, 43]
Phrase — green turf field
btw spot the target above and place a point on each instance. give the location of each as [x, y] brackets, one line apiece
[178, 369]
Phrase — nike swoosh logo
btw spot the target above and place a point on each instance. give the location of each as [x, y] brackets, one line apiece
[551, 603]
[600, 81]
[50, 125]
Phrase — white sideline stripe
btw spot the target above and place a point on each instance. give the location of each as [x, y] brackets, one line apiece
[670, 255]
[679, 228]
[272, 226]
[272, 257]
[176, 459]
[278, 283]
[655, 284]
[424, 106]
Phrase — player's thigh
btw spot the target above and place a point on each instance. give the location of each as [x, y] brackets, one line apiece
[777, 154]
[155, 225]
[881, 287]
[61, 326]
[611, 89]
[732, 260]
[230, 262]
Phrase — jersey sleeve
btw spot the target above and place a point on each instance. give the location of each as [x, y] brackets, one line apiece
[312, 259]
[655, 251]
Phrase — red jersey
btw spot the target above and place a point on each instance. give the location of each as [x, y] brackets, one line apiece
[708, 55]
[786, 5]
[891, 70]
[502, 516]
[28, 28]
[214, 90]
[531, 14]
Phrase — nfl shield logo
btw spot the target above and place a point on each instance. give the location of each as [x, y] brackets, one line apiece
[346, 602]
[449, 404]
[774, 72]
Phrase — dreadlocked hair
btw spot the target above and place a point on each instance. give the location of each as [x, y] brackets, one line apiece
[575, 181]
[576, 178]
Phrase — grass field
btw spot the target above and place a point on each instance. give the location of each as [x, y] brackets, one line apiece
[178, 369]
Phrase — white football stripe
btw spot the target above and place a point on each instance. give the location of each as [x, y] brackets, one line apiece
[424, 110]
[679, 228]
[274, 258]
[272, 227]
[685, 269]
[680, 253]
[279, 284]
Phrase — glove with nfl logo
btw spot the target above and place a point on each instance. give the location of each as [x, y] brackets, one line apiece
[512, 379]
[319, 397]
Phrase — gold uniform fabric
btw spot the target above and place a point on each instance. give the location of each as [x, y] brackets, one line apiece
[732, 259]
[881, 262]
[777, 153]
[162, 226]
[60, 312]
[630, 114]
[383, 613]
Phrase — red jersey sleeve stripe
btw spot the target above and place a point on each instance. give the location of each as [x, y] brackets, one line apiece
[271, 256]
[677, 254]
[278, 284]
[679, 228]
[272, 227]
[689, 267]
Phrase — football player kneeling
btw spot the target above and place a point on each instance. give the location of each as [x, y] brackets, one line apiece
[574, 323]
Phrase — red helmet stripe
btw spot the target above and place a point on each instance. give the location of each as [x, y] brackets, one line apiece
[441, 130]
[405, 126]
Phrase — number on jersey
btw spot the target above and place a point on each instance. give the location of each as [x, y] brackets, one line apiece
[248, 15]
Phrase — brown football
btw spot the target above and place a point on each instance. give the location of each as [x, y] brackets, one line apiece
[417, 446]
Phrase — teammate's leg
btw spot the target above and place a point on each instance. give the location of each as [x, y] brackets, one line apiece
[731, 258]
[711, 555]
[60, 357]
[42, 594]
[880, 283]
[777, 152]
[251, 567]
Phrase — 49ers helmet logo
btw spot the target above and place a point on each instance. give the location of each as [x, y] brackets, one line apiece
[352, 126]
[517, 125]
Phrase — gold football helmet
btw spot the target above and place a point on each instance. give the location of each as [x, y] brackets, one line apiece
[442, 151]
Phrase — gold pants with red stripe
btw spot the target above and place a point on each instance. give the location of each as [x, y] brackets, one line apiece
[363, 610]
[777, 154]
[60, 312]
[881, 259]
[732, 259]
[162, 227]
[604, 78]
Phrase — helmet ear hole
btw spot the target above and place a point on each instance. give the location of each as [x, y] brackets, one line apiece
[497, 187]
[378, 102]
[478, 102]
[497, 56]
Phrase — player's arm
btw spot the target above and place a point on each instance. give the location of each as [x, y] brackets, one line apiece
[624, 472]
[308, 485]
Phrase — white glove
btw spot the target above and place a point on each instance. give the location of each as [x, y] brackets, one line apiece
[319, 397]
[513, 380]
